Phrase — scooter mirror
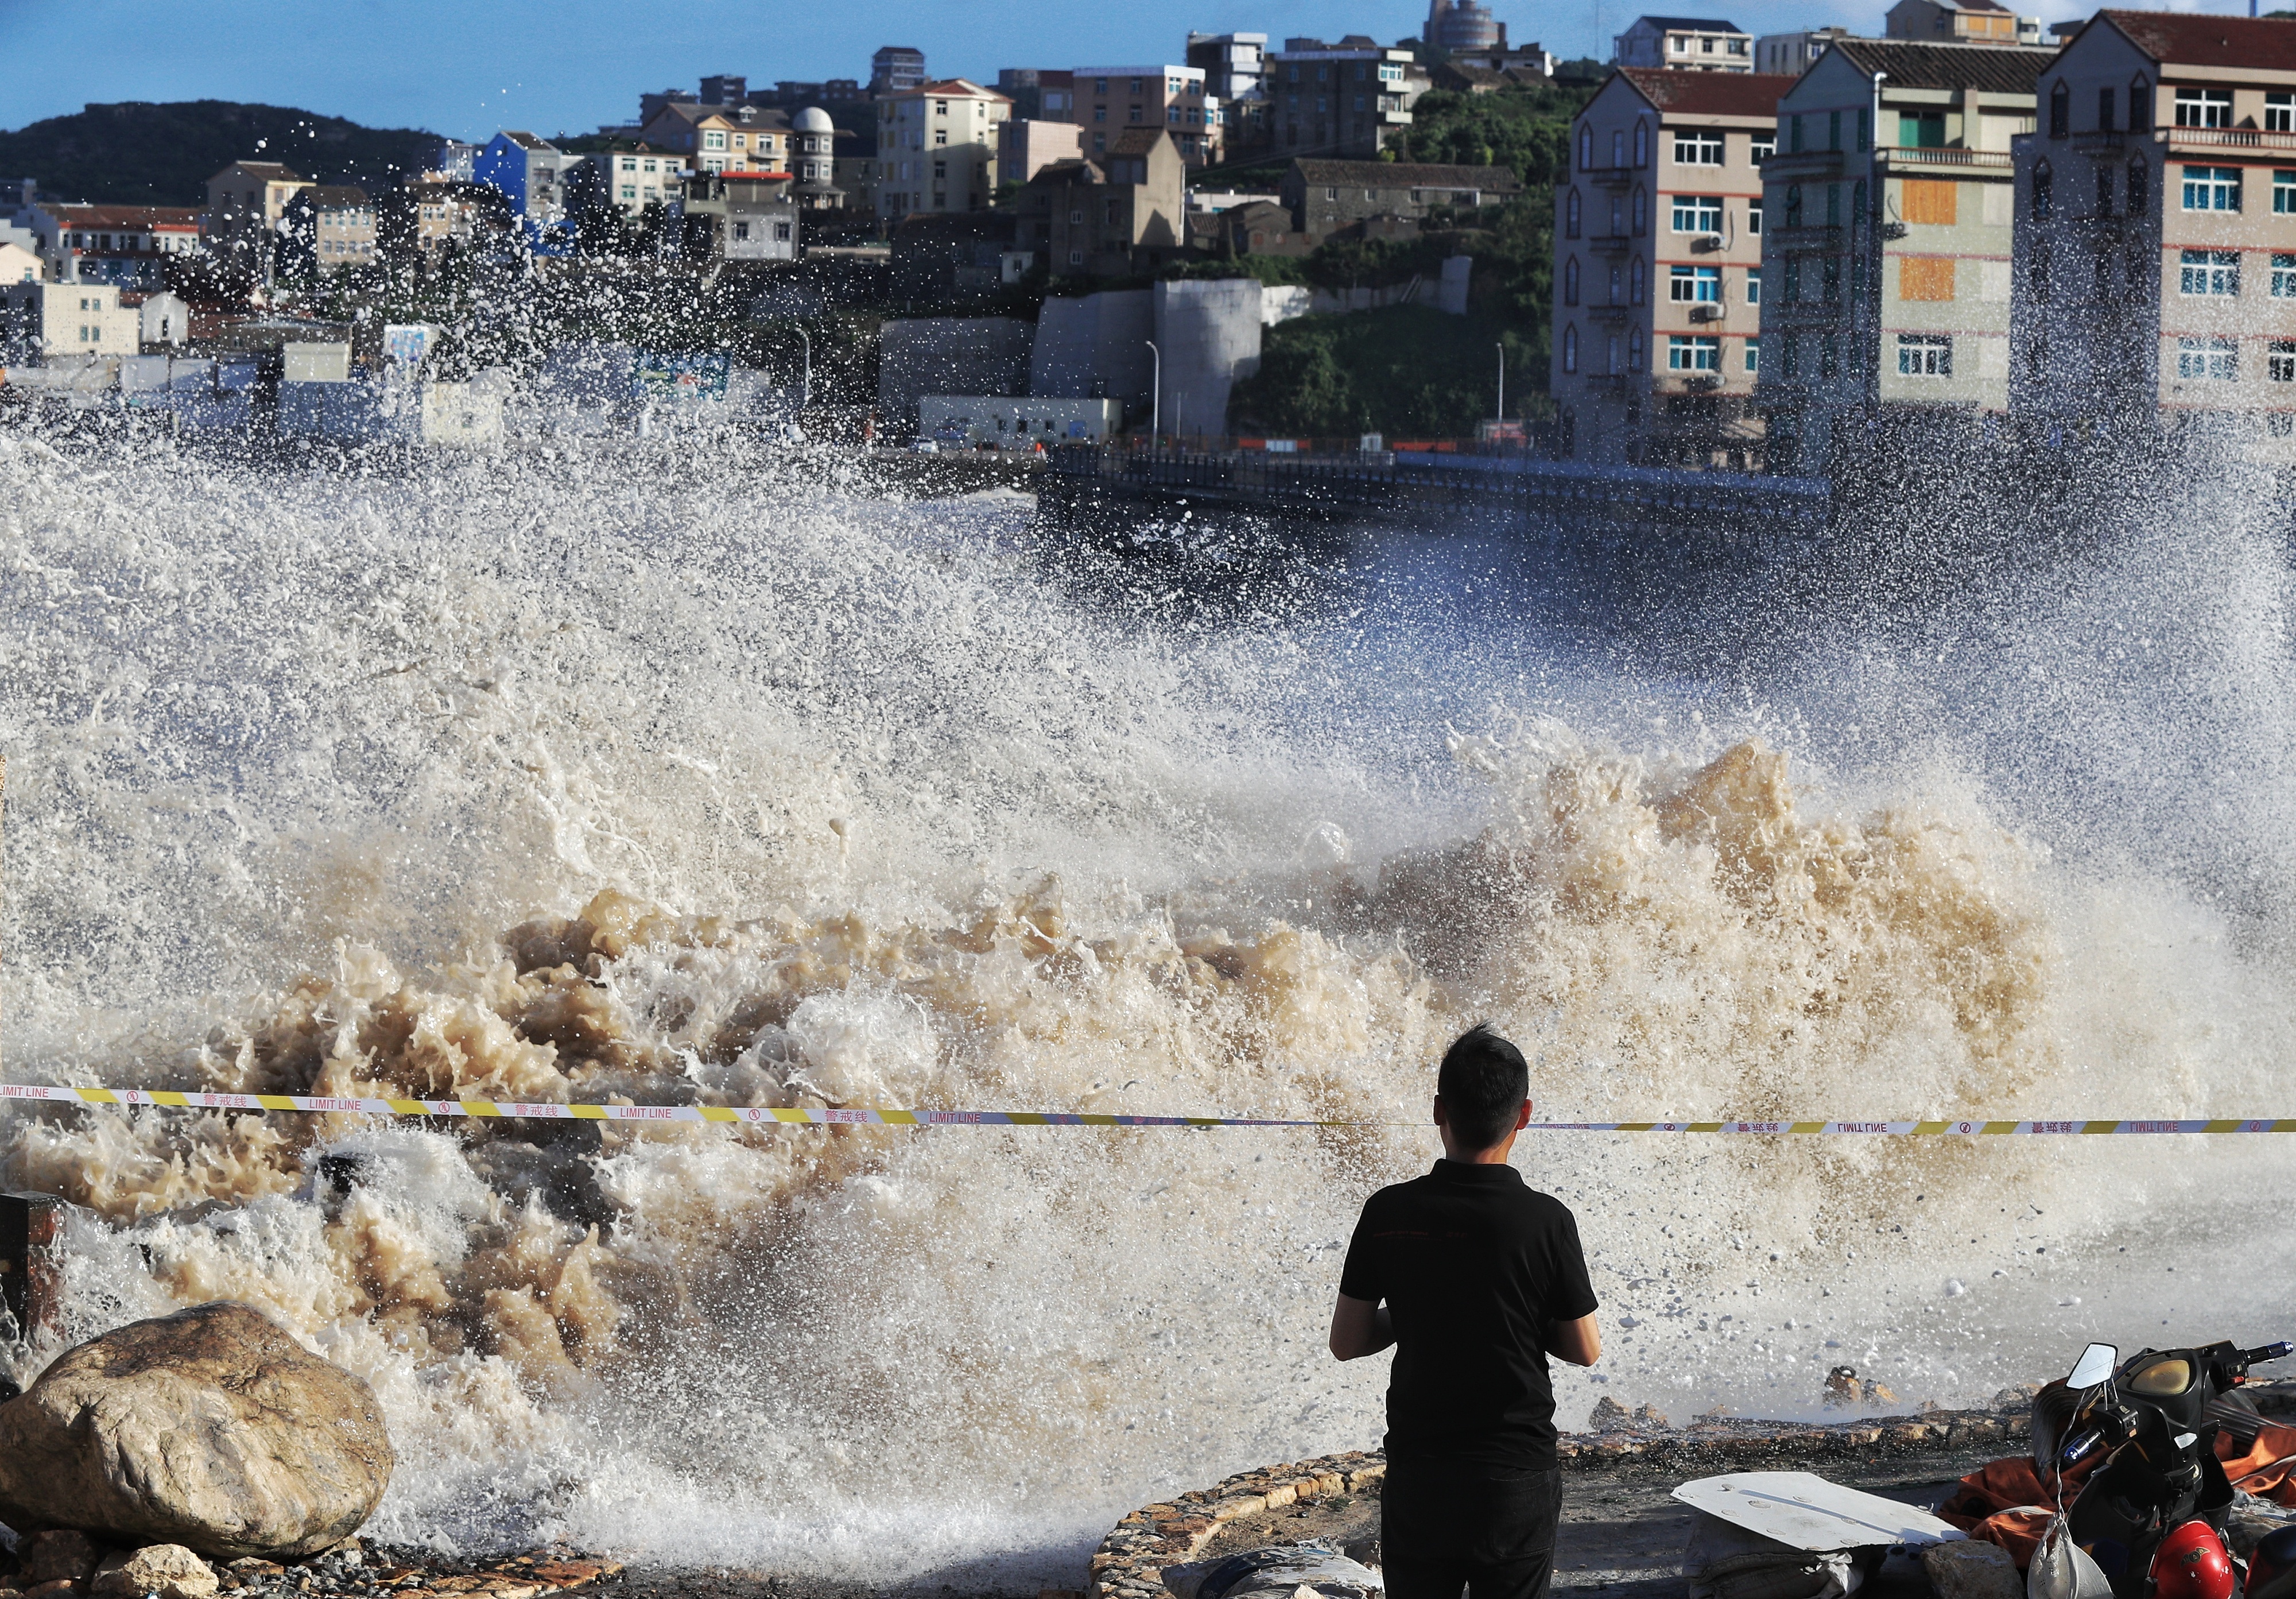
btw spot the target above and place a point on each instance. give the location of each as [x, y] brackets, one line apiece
[2094, 1365]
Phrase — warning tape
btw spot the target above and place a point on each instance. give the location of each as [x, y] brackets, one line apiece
[869, 1116]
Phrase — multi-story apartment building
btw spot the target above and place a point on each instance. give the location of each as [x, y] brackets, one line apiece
[1795, 53]
[40, 323]
[128, 245]
[721, 138]
[1659, 287]
[750, 217]
[1110, 214]
[1104, 101]
[245, 202]
[1025, 148]
[627, 180]
[1973, 21]
[1323, 197]
[1684, 44]
[329, 227]
[1887, 243]
[529, 171]
[1349, 100]
[1234, 66]
[897, 69]
[2156, 229]
[936, 148]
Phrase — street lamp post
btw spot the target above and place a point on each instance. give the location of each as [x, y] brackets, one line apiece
[1155, 394]
[1502, 416]
[805, 388]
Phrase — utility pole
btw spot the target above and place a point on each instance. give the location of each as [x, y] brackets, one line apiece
[1155, 394]
[804, 389]
[1502, 349]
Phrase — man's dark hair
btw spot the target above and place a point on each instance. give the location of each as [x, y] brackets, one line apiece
[1483, 1083]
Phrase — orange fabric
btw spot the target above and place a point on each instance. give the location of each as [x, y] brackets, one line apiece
[2005, 1502]
[1932, 200]
[1925, 277]
[2269, 1468]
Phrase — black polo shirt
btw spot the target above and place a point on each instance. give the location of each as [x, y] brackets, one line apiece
[1475, 1265]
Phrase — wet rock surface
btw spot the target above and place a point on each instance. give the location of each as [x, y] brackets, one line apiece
[211, 1428]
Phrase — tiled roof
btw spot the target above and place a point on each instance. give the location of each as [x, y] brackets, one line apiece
[123, 216]
[1710, 94]
[333, 197]
[1700, 24]
[1407, 174]
[1911, 64]
[2198, 40]
[1136, 140]
[958, 85]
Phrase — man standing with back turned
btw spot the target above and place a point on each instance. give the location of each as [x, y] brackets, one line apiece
[1484, 1279]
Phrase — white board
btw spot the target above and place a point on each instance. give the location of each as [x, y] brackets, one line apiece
[1806, 1511]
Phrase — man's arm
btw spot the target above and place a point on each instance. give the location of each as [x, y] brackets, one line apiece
[1580, 1342]
[1360, 1327]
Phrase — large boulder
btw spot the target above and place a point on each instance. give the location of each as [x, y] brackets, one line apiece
[211, 1428]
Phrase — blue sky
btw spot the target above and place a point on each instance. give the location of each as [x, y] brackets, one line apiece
[469, 67]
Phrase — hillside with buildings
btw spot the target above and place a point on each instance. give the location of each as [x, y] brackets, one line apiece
[134, 154]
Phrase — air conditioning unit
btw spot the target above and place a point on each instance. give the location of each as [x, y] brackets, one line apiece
[1706, 242]
[1707, 312]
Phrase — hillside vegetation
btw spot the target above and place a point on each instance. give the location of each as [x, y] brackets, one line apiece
[135, 153]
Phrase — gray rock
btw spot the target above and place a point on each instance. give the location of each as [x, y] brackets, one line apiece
[1972, 1570]
[168, 1571]
[212, 1429]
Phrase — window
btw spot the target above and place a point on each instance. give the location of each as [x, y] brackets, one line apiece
[1640, 283]
[1618, 287]
[1834, 130]
[1857, 205]
[2140, 104]
[1570, 347]
[1698, 213]
[1793, 129]
[1753, 285]
[1794, 278]
[1618, 147]
[2284, 275]
[2280, 111]
[1585, 147]
[2280, 361]
[2060, 110]
[2104, 109]
[1642, 143]
[2043, 189]
[1833, 279]
[740, 232]
[1634, 350]
[2212, 188]
[1864, 128]
[2283, 193]
[1754, 220]
[941, 137]
[1570, 209]
[2204, 108]
[1697, 148]
[2103, 190]
[2137, 175]
[782, 232]
[1694, 285]
[1793, 205]
[940, 108]
[1076, 257]
[1924, 356]
[1764, 146]
[2207, 360]
[1642, 213]
[1789, 355]
[713, 141]
[1571, 281]
[1833, 205]
[1696, 353]
[1753, 355]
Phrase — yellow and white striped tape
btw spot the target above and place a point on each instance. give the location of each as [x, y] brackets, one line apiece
[872, 1116]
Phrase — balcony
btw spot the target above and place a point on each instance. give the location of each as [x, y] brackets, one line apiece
[1614, 315]
[1610, 246]
[1790, 241]
[1796, 166]
[1923, 157]
[2226, 138]
[2108, 142]
[1609, 178]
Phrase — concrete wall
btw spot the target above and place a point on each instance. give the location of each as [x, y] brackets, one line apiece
[1096, 347]
[950, 355]
[1209, 330]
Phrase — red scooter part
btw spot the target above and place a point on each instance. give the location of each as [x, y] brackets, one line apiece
[2193, 1562]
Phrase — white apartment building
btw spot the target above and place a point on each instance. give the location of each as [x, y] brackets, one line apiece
[936, 148]
[43, 323]
[1659, 288]
[1795, 53]
[2155, 275]
[1684, 44]
[1887, 243]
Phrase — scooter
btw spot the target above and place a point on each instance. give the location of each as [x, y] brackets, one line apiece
[2149, 1515]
